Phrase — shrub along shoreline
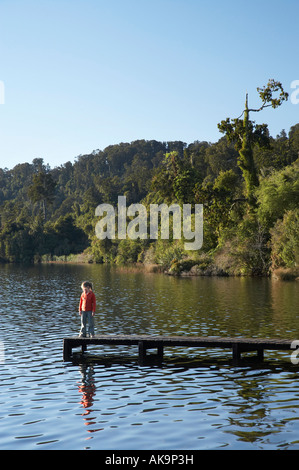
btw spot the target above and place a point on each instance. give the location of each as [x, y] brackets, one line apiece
[184, 268]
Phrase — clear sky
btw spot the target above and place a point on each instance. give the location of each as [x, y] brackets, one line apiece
[79, 75]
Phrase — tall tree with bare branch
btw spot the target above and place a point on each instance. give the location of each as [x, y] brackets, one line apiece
[245, 134]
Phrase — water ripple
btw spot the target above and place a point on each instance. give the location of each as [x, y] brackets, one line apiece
[195, 400]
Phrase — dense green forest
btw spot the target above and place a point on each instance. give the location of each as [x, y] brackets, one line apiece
[49, 213]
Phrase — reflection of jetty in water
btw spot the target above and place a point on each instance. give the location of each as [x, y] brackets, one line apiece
[246, 395]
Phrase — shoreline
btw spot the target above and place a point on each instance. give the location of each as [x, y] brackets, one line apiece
[183, 268]
[177, 269]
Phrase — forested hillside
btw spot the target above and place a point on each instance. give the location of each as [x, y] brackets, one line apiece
[50, 212]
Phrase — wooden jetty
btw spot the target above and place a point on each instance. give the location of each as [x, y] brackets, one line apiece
[145, 342]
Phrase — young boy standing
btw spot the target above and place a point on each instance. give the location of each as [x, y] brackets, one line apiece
[87, 308]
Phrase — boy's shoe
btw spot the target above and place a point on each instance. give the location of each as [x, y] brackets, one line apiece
[92, 336]
[82, 336]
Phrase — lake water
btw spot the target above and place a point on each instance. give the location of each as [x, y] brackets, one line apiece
[197, 399]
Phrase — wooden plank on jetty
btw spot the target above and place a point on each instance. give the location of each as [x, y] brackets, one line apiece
[145, 342]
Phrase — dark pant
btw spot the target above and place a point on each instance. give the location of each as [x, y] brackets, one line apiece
[87, 318]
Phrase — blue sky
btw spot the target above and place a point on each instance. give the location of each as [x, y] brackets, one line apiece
[79, 75]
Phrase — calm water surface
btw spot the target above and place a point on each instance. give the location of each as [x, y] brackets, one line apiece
[195, 400]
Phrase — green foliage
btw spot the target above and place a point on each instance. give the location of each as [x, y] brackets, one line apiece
[285, 240]
[175, 179]
[278, 193]
[42, 189]
[47, 213]
[266, 94]
[168, 253]
[245, 134]
[65, 237]
[129, 251]
[222, 201]
[16, 243]
[244, 249]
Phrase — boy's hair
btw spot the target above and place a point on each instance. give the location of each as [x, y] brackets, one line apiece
[86, 284]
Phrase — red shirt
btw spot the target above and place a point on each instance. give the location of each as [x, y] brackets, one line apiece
[87, 302]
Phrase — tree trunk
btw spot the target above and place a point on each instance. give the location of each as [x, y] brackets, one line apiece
[245, 160]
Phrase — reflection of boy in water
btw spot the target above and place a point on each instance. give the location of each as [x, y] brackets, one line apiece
[87, 387]
[87, 308]
[88, 390]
